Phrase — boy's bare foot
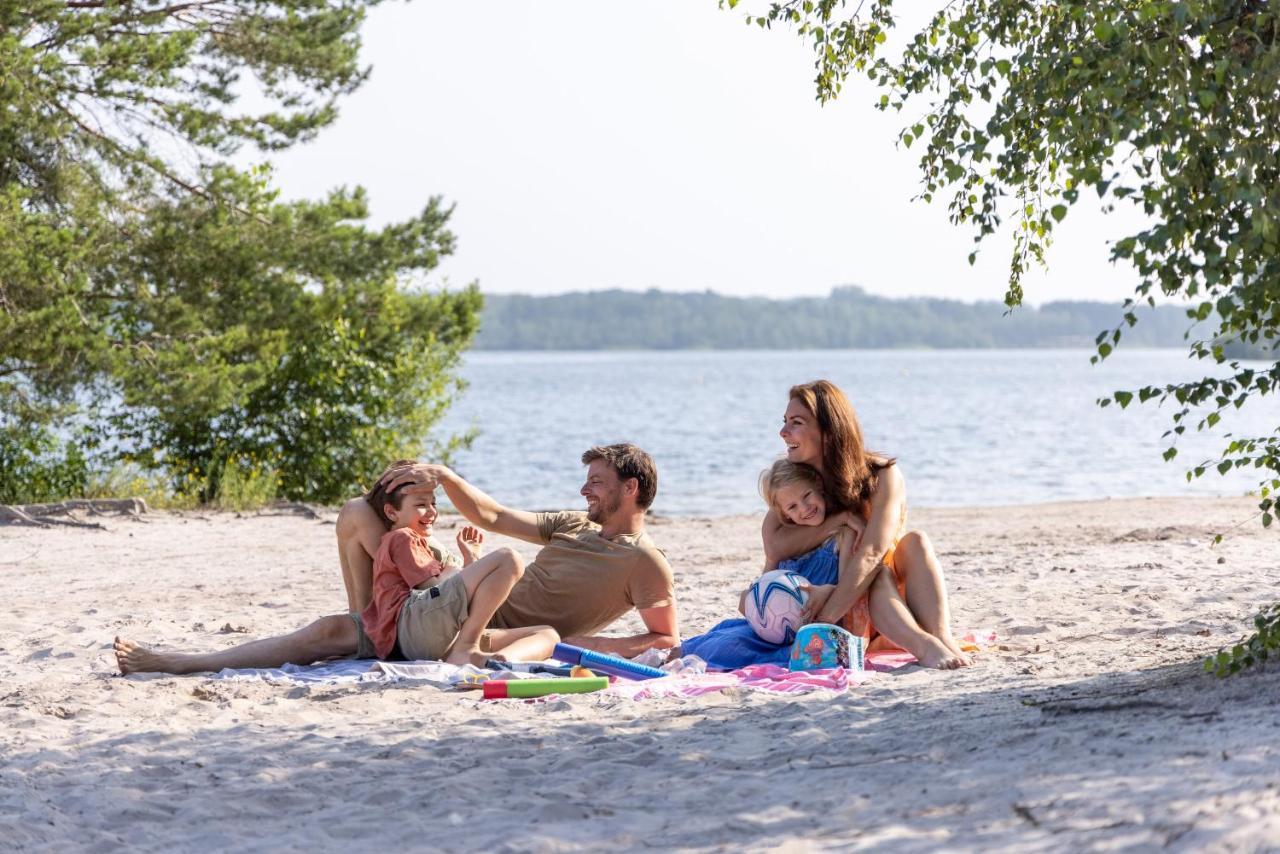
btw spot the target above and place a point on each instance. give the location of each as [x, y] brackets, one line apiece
[461, 655]
[131, 658]
[938, 655]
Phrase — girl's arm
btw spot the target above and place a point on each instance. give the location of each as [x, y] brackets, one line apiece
[782, 541]
[858, 565]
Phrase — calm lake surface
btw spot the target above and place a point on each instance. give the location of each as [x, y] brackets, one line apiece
[969, 427]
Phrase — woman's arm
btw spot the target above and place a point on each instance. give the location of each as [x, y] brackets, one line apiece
[782, 541]
[858, 565]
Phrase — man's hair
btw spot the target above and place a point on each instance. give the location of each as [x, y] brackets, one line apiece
[627, 461]
[380, 496]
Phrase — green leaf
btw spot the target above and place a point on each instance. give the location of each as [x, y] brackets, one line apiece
[1058, 211]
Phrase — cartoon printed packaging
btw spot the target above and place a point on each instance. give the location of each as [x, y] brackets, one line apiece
[822, 646]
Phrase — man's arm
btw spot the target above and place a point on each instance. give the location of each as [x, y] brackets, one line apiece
[478, 508]
[663, 633]
[651, 584]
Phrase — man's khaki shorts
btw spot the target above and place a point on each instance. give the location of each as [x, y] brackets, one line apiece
[430, 619]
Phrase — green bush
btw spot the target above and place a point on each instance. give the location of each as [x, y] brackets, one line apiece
[36, 466]
[245, 484]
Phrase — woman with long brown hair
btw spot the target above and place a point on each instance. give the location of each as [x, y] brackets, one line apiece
[890, 583]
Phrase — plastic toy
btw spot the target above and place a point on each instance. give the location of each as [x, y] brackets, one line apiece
[501, 689]
[530, 667]
[600, 663]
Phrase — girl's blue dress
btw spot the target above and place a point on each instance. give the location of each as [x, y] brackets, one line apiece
[733, 643]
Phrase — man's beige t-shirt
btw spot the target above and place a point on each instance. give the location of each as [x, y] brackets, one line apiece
[581, 582]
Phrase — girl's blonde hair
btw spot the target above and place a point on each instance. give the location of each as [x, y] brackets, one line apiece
[784, 472]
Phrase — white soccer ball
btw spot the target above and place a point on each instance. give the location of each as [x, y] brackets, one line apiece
[774, 605]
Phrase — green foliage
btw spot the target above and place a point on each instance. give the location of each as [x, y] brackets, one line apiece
[126, 480]
[287, 340]
[167, 307]
[1252, 650]
[1171, 107]
[245, 484]
[848, 318]
[36, 467]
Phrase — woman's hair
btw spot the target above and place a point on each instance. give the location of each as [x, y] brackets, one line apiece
[380, 496]
[848, 469]
[784, 472]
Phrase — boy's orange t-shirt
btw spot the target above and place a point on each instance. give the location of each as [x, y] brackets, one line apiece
[404, 560]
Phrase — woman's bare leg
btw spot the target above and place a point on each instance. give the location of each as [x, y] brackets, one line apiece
[926, 589]
[534, 643]
[489, 581]
[327, 637]
[894, 620]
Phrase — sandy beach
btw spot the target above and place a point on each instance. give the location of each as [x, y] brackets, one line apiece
[1090, 724]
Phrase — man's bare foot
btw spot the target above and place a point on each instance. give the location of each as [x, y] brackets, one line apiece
[936, 654]
[462, 655]
[131, 658]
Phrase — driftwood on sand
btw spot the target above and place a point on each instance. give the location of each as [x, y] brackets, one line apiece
[63, 512]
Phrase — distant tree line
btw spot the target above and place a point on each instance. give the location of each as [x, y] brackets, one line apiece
[848, 318]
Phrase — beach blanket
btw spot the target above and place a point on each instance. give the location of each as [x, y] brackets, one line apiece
[768, 678]
[685, 682]
[351, 671]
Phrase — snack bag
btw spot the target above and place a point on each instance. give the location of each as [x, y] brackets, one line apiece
[822, 646]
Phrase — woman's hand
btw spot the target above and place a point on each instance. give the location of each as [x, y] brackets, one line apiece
[818, 596]
[850, 521]
[469, 540]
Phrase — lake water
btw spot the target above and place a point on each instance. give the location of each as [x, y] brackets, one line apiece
[969, 427]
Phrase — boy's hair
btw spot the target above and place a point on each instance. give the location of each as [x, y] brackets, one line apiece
[380, 496]
[784, 472]
[627, 461]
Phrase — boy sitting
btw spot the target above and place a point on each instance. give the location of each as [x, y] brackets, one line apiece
[428, 605]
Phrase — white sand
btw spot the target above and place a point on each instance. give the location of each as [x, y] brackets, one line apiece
[1091, 726]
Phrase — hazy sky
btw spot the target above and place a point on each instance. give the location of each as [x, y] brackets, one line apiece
[593, 145]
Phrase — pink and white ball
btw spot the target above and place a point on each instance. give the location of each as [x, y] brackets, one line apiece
[774, 606]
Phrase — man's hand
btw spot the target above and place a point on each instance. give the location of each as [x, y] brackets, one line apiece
[424, 477]
[818, 596]
[469, 540]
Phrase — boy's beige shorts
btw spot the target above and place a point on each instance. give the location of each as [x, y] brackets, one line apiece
[428, 624]
[430, 619]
